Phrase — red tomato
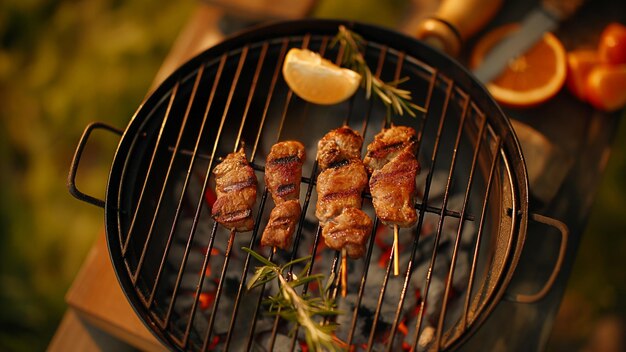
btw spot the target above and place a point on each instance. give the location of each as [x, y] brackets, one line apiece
[612, 46]
[579, 64]
[606, 87]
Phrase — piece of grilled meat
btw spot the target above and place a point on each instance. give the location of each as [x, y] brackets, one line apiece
[339, 188]
[393, 190]
[235, 187]
[282, 224]
[388, 144]
[337, 146]
[391, 161]
[349, 230]
[283, 174]
[283, 170]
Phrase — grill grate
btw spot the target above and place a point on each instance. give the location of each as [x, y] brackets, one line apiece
[192, 126]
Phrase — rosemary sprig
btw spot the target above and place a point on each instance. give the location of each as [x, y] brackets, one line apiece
[293, 307]
[396, 99]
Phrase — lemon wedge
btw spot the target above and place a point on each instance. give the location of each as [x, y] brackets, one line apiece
[318, 80]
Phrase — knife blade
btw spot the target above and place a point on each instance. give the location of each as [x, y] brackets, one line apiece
[542, 19]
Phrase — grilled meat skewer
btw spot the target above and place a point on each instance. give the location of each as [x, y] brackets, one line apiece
[283, 174]
[339, 186]
[391, 160]
[235, 187]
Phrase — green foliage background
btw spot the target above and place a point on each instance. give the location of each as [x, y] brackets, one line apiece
[63, 64]
[66, 63]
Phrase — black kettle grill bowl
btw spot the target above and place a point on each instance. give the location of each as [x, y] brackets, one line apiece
[185, 275]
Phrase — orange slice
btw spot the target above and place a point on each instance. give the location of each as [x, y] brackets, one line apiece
[579, 65]
[529, 79]
[606, 87]
[318, 80]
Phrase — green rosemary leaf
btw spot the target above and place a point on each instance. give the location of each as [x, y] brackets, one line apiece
[382, 95]
[304, 280]
[296, 261]
[266, 279]
[305, 270]
[257, 256]
[291, 306]
[329, 282]
[252, 283]
[398, 101]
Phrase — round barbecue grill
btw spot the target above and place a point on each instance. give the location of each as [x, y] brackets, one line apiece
[185, 275]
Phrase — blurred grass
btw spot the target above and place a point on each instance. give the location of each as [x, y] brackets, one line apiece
[64, 64]
[596, 289]
[384, 13]
[599, 270]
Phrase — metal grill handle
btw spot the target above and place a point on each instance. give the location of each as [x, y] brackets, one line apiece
[564, 231]
[71, 178]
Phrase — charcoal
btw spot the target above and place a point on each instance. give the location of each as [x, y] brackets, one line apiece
[437, 184]
[324, 261]
[194, 258]
[282, 343]
[426, 338]
[426, 334]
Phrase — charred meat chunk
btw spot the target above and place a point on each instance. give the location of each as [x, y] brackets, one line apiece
[339, 189]
[349, 230]
[391, 161]
[283, 170]
[388, 144]
[393, 190]
[235, 187]
[282, 224]
[283, 174]
[337, 146]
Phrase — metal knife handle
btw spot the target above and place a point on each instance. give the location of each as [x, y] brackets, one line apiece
[561, 9]
[455, 21]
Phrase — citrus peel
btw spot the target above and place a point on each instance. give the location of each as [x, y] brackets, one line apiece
[531, 78]
[318, 80]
